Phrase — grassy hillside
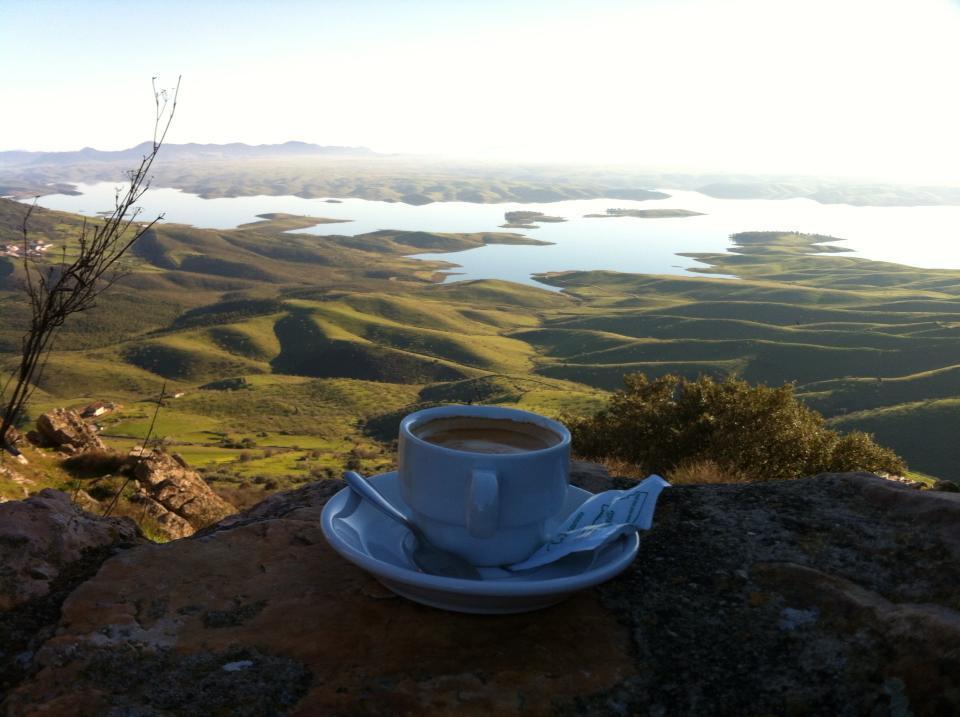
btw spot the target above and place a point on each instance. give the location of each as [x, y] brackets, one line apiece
[860, 394]
[852, 334]
[926, 430]
[332, 339]
[322, 334]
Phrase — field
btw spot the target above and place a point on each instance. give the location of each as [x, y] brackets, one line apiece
[294, 355]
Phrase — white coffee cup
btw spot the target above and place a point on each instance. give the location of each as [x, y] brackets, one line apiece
[490, 508]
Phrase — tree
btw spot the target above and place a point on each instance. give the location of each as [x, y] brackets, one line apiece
[756, 432]
[58, 290]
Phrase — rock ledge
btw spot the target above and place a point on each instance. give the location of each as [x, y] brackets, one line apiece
[829, 595]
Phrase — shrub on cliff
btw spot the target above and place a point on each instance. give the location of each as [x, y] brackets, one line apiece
[97, 462]
[756, 432]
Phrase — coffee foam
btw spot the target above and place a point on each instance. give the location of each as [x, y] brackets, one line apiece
[486, 435]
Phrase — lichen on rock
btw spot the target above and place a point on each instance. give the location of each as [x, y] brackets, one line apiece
[175, 496]
[827, 595]
[44, 533]
[62, 427]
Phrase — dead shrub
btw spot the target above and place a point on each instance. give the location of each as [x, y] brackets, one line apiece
[702, 470]
[97, 463]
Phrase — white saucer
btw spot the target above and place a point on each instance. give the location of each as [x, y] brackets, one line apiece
[370, 540]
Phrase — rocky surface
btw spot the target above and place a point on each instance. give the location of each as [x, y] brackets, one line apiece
[832, 595]
[9, 475]
[13, 437]
[174, 496]
[47, 547]
[65, 429]
[43, 534]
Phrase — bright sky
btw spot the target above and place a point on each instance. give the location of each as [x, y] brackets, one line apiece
[848, 87]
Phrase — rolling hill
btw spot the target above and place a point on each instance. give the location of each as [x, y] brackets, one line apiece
[331, 338]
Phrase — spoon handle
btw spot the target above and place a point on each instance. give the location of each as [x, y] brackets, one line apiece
[366, 490]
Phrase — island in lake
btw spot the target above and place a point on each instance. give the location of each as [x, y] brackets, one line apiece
[646, 213]
[527, 220]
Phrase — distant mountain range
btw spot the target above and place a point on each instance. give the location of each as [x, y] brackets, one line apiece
[313, 170]
[184, 152]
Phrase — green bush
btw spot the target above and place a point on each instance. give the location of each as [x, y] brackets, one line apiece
[856, 451]
[758, 432]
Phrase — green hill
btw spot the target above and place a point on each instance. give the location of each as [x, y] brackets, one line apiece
[925, 430]
[336, 336]
[859, 394]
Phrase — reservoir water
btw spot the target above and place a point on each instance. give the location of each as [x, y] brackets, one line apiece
[917, 236]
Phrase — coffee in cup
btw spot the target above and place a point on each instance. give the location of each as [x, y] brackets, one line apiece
[486, 435]
[483, 481]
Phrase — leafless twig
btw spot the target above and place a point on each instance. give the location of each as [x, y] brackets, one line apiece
[140, 454]
[56, 291]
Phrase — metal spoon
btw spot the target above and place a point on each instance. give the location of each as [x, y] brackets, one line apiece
[427, 557]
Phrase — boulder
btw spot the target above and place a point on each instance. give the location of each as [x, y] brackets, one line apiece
[87, 502]
[62, 427]
[44, 534]
[828, 595]
[175, 496]
[166, 524]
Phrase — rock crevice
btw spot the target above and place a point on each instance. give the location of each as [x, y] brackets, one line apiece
[174, 496]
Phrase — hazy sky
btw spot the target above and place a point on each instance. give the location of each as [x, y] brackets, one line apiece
[823, 87]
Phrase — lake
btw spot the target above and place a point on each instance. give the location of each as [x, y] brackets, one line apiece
[917, 236]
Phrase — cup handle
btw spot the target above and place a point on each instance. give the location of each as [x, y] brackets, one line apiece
[483, 511]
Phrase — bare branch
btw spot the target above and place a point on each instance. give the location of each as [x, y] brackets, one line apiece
[57, 291]
[140, 455]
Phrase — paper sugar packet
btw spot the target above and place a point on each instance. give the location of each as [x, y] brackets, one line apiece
[600, 520]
